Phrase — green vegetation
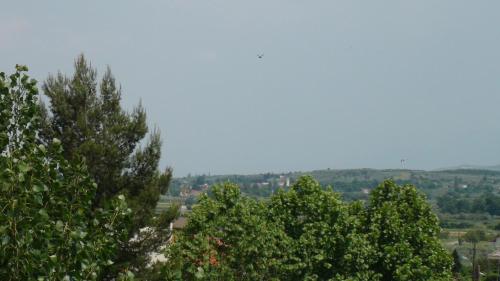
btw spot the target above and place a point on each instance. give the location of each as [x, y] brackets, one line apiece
[48, 230]
[454, 203]
[464, 200]
[80, 201]
[308, 233]
[457, 264]
[353, 184]
[88, 119]
[406, 231]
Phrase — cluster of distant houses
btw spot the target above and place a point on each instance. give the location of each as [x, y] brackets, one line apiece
[188, 190]
[282, 182]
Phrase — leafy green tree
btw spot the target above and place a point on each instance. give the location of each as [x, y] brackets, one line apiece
[86, 115]
[228, 238]
[48, 230]
[405, 231]
[308, 233]
[474, 236]
[326, 236]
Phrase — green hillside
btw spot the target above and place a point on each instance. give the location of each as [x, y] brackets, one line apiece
[355, 183]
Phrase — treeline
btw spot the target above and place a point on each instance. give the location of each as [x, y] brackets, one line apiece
[252, 185]
[477, 172]
[454, 203]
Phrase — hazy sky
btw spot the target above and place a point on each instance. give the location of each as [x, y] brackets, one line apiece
[343, 84]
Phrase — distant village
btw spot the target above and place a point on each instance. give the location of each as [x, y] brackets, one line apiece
[189, 190]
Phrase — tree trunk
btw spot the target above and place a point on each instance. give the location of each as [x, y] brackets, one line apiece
[475, 267]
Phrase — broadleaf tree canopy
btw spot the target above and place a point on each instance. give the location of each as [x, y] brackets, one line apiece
[48, 230]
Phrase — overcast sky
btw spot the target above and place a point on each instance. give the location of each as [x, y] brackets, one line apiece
[342, 84]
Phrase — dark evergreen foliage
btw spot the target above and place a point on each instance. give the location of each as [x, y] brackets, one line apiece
[457, 264]
[87, 117]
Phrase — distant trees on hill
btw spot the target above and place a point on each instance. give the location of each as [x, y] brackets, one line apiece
[353, 184]
[454, 204]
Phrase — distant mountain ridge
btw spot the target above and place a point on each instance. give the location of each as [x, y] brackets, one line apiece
[471, 167]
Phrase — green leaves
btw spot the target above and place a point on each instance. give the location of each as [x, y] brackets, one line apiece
[59, 226]
[43, 214]
[21, 68]
[45, 201]
[228, 238]
[200, 273]
[308, 233]
[404, 230]
[84, 120]
[325, 239]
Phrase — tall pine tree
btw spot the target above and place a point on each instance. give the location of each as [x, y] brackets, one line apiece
[87, 117]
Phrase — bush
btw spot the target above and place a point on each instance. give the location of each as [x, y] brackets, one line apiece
[491, 277]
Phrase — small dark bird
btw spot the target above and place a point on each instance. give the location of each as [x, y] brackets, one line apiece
[260, 56]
